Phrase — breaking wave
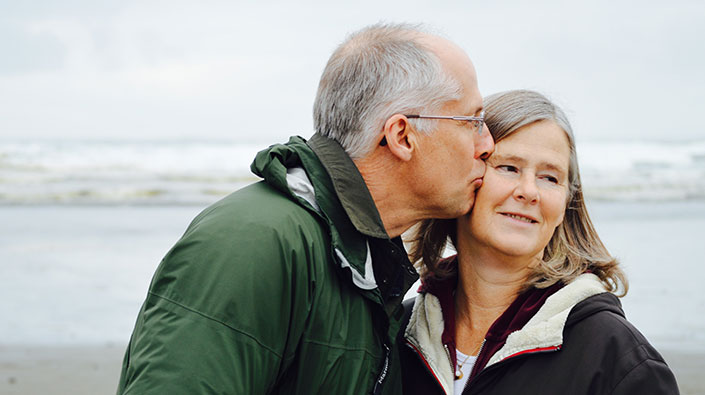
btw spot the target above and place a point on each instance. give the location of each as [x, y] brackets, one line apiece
[198, 173]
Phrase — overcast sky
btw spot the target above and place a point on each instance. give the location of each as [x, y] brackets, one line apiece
[248, 71]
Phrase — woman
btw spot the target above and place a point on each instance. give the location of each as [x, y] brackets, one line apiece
[527, 304]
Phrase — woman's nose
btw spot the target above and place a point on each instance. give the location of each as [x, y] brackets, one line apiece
[526, 189]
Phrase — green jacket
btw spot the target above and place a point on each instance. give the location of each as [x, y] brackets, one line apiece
[287, 286]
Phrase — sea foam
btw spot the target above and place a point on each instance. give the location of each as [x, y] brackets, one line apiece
[73, 172]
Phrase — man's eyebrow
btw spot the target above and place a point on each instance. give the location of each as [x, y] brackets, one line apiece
[473, 109]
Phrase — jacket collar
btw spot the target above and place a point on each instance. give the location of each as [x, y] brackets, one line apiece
[358, 232]
[349, 185]
[296, 170]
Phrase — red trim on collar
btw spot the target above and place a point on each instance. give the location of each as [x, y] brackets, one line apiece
[533, 351]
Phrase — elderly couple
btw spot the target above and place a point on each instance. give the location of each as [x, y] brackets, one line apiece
[294, 285]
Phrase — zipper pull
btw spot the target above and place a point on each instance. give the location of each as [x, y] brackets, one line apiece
[450, 362]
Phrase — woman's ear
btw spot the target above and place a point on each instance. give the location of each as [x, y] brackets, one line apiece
[398, 137]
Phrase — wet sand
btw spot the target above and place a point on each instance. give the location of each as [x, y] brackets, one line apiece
[95, 370]
[79, 370]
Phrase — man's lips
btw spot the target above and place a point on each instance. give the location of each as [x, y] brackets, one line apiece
[476, 183]
[520, 217]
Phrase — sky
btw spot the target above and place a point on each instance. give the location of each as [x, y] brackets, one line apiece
[248, 71]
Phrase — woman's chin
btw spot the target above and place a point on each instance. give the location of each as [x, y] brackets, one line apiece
[518, 249]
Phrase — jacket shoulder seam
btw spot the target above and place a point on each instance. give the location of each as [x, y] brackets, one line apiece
[217, 321]
[643, 361]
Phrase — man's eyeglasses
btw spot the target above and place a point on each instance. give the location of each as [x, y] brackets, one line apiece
[475, 122]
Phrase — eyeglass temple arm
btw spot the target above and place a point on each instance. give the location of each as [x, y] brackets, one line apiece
[456, 118]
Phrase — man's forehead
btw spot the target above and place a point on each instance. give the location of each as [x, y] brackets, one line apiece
[452, 57]
[458, 65]
[476, 105]
[473, 99]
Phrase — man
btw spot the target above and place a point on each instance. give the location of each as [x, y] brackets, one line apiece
[293, 284]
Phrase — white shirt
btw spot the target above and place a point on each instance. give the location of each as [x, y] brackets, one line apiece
[468, 362]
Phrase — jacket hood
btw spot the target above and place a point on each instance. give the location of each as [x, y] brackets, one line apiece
[605, 301]
[273, 163]
[295, 170]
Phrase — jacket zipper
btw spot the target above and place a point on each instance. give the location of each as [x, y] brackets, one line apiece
[474, 366]
[383, 375]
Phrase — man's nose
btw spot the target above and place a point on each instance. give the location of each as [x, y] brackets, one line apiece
[484, 144]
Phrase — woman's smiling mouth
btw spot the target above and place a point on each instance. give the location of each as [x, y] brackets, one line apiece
[520, 217]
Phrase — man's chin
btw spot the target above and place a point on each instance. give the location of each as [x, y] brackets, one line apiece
[465, 209]
[470, 206]
[462, 207]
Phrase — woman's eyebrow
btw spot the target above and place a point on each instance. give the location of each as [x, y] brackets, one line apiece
[511, 158]
[553, 166]
[558, 169]
[522, 161]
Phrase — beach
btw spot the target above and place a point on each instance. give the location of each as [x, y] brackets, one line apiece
[95, 370]
[74, 277]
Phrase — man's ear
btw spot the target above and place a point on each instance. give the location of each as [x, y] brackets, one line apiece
[398, 137]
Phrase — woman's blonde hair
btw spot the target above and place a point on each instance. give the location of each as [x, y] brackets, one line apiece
[574, 248]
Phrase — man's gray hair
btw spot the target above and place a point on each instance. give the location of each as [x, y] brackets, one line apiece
[377, 72]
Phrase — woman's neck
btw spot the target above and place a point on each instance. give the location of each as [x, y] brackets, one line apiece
[487, 285]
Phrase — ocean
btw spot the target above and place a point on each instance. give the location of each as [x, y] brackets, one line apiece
[83, 226]
[197, 173]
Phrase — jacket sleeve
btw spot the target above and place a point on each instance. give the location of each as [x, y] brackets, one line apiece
[649, 377]
[224, 313]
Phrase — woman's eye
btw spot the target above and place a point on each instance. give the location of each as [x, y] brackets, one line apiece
[508, 168]
[551, 179]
